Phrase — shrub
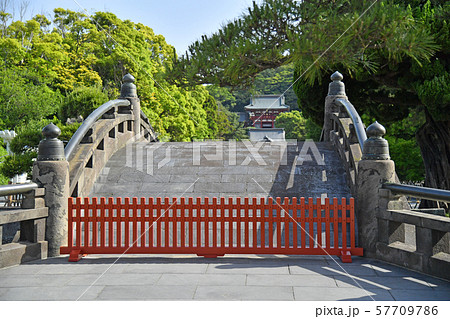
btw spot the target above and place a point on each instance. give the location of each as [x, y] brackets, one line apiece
[17, 164]
[82, 101]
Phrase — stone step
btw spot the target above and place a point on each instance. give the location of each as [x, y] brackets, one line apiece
[223, 169]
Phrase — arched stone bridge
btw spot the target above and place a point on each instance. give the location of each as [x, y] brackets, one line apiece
[116, 153]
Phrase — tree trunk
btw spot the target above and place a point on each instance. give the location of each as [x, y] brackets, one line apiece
[433, 139]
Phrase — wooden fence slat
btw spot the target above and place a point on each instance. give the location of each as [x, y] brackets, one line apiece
[214, 220]
[294, 223]
[102, 222]
[319, 222]
[327, 223]
[151, 222]
[344, 224]
[144, 233]
[191, 221]
[255, 211]
[206, 222]
[303, 222]
[165, 220]
[159, 211]
[183, 220]
[352, 223]
[286, 222]
[335, 223]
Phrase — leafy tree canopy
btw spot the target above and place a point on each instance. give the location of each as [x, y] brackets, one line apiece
[71, 63]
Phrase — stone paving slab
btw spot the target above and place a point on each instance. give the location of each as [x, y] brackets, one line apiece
[67, 293]
[341, 294]
[202, 280]
[234, 277]
[36, 280]
[248, 269]
[388, 283]
[243, 293]
[420, 295]
[109, 279]
[167, 268]
[291, 280]
[331, 270]
[147, 293]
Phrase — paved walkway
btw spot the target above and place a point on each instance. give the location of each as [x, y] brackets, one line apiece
[249, 277]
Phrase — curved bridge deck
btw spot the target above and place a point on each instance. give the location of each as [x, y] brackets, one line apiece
[223, 169]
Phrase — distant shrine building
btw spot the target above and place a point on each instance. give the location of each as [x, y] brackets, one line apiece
[263, 109]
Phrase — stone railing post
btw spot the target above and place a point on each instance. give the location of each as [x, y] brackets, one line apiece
[51, 171]
[374, 169]
[128, 91]
[336, 90]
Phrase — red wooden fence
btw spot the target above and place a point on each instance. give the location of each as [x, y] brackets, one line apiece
[211, 227]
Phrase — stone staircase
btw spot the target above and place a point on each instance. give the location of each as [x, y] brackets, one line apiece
[223, 169]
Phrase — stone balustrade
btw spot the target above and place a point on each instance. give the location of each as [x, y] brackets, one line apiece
[416, 240]
[118, 125]
[343, 128]
[29, 242]
[388, 230]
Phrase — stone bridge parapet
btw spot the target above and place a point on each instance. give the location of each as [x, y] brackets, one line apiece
[102, 134]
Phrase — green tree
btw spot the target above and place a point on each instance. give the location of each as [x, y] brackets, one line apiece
[393, 69]
[294, 125]
[3, 179]
[25, 96]
[81, 60]
[394, 55]
[82, 101]
[277, 81]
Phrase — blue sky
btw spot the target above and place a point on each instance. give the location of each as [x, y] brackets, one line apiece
[181, 22]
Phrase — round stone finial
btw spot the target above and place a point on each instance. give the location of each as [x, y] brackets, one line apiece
[128, 88]
[336, 87]
[51, 148]
[128, 78]
[336, 76]
[51, 131]
[376, 147]
[375, 130]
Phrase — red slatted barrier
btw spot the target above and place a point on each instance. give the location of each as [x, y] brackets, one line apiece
[211, 228]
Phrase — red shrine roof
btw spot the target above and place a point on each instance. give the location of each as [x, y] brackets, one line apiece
[267, 102]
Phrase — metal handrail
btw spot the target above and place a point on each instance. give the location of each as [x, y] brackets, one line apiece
[356, 119]
[14, 189]
[89, 121]
[419, 192]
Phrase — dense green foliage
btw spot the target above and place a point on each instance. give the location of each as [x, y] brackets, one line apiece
[17, 164]
[24, 96]
[399, 84]
[82, 101]
[3, 179]
[297, 127]
[277, 81]
[66, 66]
[294, 125]
[72, 63]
